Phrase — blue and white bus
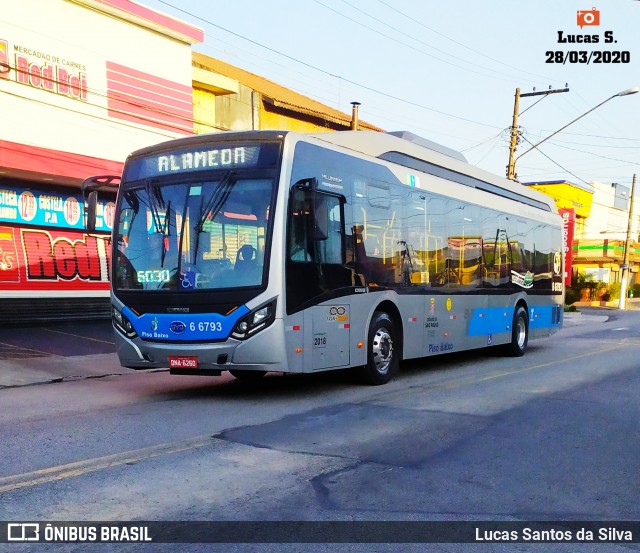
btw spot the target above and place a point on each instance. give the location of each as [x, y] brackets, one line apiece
[268, 251]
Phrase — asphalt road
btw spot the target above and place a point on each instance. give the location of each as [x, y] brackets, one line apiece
[550, 436]
[66, 339]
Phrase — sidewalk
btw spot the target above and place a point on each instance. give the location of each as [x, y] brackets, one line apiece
[51, 369]
[632, 304]
[579, 318]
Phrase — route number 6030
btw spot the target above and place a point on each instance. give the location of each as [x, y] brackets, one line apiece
[206, 326]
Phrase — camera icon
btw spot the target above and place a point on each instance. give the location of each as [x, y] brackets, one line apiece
[588, 18]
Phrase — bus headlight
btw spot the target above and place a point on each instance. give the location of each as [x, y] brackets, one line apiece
[258, 319]
[123, 324]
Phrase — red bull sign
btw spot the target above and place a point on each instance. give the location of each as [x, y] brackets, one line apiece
[34, 260]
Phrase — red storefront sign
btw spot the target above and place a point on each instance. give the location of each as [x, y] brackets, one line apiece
[53, 262]
[568, 226]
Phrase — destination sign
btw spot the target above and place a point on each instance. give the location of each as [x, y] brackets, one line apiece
[193, 159]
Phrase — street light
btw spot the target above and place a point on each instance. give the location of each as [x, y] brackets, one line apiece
[627, 92]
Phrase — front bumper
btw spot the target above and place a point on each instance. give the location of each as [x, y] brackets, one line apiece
[265, 351]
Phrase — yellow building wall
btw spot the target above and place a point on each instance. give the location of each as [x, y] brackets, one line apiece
[204, 111]
[565, 195]
[271, 120]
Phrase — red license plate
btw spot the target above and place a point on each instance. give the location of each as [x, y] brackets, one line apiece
[183, 362]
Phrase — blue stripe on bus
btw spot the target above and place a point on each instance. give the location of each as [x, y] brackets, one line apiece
[494, 320]
[185, 327]
[545, 316]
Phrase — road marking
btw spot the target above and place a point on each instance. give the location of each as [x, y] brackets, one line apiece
[79, 468]
[476, 380]
[80, 336]
[21, 351]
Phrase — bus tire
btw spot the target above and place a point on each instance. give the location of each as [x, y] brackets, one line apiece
[247, 375]
[519, 333]
[383, 356]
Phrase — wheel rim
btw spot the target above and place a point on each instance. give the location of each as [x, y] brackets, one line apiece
[382, 350]
[521, 332]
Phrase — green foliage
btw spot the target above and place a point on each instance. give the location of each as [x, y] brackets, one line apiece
[571, 296]
[614, 290]
[583, 287]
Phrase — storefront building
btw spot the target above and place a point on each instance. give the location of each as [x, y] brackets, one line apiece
[598, 238]
[82, 83]
[258, 103]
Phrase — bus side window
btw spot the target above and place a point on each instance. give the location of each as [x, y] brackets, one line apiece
[316, 235]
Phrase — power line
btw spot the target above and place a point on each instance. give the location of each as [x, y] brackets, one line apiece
[606, 137]
[625, 161]
[556, 163]
[338, 77]
[469, 48]
[510, 79]
[485, 141]
[329, 73]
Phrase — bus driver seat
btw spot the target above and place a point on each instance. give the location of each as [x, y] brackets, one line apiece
[246, 258]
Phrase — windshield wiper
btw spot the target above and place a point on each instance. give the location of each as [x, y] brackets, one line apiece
[156, 200]
[156, 203]
[212, 207]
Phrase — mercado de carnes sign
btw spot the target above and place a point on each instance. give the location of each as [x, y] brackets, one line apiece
[42, 69]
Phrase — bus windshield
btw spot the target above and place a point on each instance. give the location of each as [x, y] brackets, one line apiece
[193, 235]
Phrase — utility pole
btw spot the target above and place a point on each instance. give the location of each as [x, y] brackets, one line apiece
[515, 133]
[515, 138]
[622, 302]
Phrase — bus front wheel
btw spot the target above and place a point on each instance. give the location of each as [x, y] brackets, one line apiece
[383, 356]
[519, 333]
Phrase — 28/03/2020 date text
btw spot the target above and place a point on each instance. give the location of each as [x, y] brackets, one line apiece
[582, 56]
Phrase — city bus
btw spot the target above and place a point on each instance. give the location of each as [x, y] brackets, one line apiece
[267, 251]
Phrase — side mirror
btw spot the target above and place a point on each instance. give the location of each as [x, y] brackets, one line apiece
[90, 189]
[90, 210]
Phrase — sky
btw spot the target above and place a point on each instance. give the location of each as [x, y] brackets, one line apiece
[448, 71]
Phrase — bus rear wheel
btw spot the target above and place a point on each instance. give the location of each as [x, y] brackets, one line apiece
[383, 357]
[519, 333]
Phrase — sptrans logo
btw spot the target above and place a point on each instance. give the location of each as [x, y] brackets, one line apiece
[44, 70]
